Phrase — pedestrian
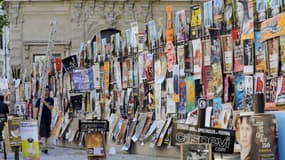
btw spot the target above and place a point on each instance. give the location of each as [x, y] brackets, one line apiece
[45, 119]
[4, 110]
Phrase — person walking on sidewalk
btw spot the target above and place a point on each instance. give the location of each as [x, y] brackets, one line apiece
[45, 120]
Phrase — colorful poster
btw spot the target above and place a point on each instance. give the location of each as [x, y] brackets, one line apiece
[170, 55]
[260, 53]
[248, 55]
[196, 20]
[259, 82]
[217, 118]
[209, 87]
[248, 94]
[245, 17]
[181, 28]
[107, 76]
[197, 56]
[206, 52]
[176, 83]
[239, 91]
[190, 93]
[30, 140]
[238, 56]
[181, 60]
[273, 27]
[208, 14]
[228, 53]
[188, 57]
[215, 46]
[271, 92]
[280, 117]
[273, 56]
[217, 78]
[95, 144]
[181, 107]
[82, 79]
[218, 13]
[261, 7]
[148, 67]
[282, 53]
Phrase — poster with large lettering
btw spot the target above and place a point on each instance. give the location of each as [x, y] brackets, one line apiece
[265, 136]
[222, 140]
[196, 20]
[30, 140]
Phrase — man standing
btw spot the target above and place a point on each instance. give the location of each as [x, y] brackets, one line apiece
[45, 121]
[4, 110]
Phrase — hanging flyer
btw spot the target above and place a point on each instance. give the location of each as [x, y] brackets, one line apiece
[215, 46]
[273, 56]
[206, 52]
[259, 82]
[181, 60]
[228, 15]
[208, 14]
[248, 94]
[261, 7]
[196, 20]
[248, 56]
[181, 28]
[190, 92]
[260, 53]
[197, 56]
[228, 53]
[239, 91]
[245, 18]
[218, 13]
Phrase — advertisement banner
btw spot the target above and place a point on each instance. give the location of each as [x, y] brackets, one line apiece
[30, 140]
[273, 27]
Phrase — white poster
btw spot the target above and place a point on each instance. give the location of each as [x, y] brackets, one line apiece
[96, 77]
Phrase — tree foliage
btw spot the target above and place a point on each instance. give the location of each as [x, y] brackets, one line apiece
[3, 18]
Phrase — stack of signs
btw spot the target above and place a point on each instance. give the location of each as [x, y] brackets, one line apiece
[30, 140]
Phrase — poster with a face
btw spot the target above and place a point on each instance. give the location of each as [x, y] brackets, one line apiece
[181, 28]
[228, 15]
[271, 92]
[238, 56]
[148, 67]
[170, 56]
[245, 16]
[239, 91]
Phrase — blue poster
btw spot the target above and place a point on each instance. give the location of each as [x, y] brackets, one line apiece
[280, 117]
[239, 91]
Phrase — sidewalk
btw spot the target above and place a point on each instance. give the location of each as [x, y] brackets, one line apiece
[60, 153]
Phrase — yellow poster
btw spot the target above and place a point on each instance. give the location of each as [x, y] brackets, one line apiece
[106, 76]
[59, 121]
[30, 140]
[273, 27]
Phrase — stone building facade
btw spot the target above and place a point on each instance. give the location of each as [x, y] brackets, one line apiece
[77, 21]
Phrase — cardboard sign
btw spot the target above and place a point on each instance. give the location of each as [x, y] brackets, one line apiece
[93, 126]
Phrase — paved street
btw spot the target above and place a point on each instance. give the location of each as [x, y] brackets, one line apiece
[59, 153]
